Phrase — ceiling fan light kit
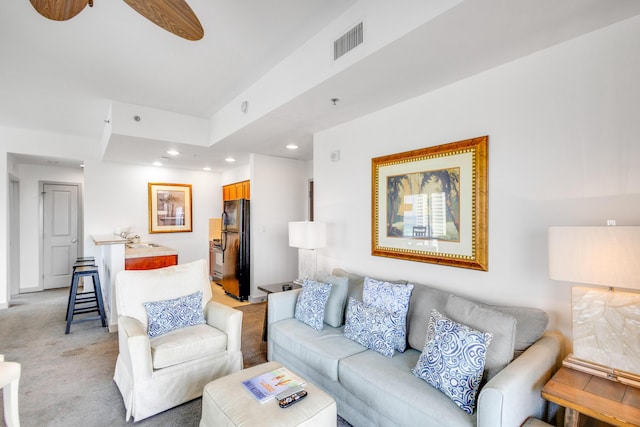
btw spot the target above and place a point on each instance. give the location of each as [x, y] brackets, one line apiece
[174, 16]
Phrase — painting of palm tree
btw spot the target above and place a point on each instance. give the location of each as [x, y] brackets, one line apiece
[424, 205]
[430, 204]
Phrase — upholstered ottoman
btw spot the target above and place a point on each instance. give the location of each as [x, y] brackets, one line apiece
[225, 402]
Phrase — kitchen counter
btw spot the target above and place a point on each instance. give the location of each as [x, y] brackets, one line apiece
[107, 239]
[116, 254]
[146, 250]
[146, 256]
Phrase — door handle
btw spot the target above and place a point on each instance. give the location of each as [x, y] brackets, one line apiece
[74, 240]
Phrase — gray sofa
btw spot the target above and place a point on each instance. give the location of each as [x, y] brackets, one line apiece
[371, 389]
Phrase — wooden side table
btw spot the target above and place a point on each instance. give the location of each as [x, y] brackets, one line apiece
[271, 289]
[581, 393]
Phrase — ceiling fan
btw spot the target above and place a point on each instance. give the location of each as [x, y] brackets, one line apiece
[173, 15]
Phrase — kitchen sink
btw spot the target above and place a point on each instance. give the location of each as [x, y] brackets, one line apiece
[142, 245]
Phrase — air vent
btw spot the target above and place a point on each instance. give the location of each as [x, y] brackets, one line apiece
[348, 41]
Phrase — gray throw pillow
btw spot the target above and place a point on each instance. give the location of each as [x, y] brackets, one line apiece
[334, 309]
[502, 326]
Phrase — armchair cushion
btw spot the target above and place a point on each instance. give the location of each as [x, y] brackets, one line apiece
[186, 344]
[167, 315]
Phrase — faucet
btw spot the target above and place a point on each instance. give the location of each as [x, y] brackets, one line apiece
[125, 235]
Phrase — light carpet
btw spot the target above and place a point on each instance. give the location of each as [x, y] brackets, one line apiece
[67, 380]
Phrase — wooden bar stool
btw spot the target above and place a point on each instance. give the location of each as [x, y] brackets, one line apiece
[85, 302]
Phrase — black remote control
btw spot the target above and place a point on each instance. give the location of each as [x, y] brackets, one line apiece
[292, 398]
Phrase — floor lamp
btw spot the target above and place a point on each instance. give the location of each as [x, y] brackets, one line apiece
[307, 236]
[605, 321]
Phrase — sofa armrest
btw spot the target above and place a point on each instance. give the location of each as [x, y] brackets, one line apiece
[135, 348]
[226, 319]
[282, 305]
[513, 394]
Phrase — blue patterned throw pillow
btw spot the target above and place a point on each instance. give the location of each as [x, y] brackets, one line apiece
[390, 297]
[311, 303]
[453, 359]
[371, 326]
[167, 315]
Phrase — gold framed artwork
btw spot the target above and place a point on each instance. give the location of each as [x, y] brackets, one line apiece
[169, 207]
[430, 205]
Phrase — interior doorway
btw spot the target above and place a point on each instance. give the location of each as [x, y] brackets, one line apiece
[60, 232]
[14, 237]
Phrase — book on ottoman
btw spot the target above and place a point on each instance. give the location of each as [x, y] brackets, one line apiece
[264, 387]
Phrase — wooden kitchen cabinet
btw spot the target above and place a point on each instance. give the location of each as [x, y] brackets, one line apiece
[150, 263]
[238, 190]
[246, 189]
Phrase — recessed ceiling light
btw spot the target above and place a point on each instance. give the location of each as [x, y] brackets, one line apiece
[206, 168]
[157, 164]
[292, 147]
[229, 160]
[173, 152]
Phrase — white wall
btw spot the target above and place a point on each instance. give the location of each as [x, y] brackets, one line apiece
[563, 150]
[237, 174]
[278, 196]
[117, 195]
[31, 219]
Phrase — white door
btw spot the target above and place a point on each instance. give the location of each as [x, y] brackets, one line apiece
[60, 228]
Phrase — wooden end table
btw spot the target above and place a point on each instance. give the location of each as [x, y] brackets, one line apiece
[605, 400]
[272, 289]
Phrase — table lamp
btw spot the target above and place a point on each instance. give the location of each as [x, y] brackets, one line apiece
[307, 236]
[605, 321]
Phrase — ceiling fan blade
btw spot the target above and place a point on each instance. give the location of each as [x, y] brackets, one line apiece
[173, 15]
[59, 10]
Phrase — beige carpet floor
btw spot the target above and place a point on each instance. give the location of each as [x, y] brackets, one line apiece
[67, 380]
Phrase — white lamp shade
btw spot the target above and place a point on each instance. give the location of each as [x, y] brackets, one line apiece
[608, 256]
[307, 234]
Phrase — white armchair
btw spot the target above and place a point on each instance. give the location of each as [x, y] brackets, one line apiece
[9, 380]
[156, 373]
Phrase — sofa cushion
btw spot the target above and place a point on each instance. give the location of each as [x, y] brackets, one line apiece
[185, 344]
[423, 299]
[453, 359]
[373, 327]
[501, 325]
[319, 350]
[311, 303]
[389, 386]
[356, 283]
[167, 315]
[530, 325]
[393, 298]
[334, 309]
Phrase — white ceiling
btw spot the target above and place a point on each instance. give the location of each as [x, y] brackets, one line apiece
[61, 76]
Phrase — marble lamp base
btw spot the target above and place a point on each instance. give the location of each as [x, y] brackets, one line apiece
[606, 328]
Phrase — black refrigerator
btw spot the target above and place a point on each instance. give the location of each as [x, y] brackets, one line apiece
[235, 249]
